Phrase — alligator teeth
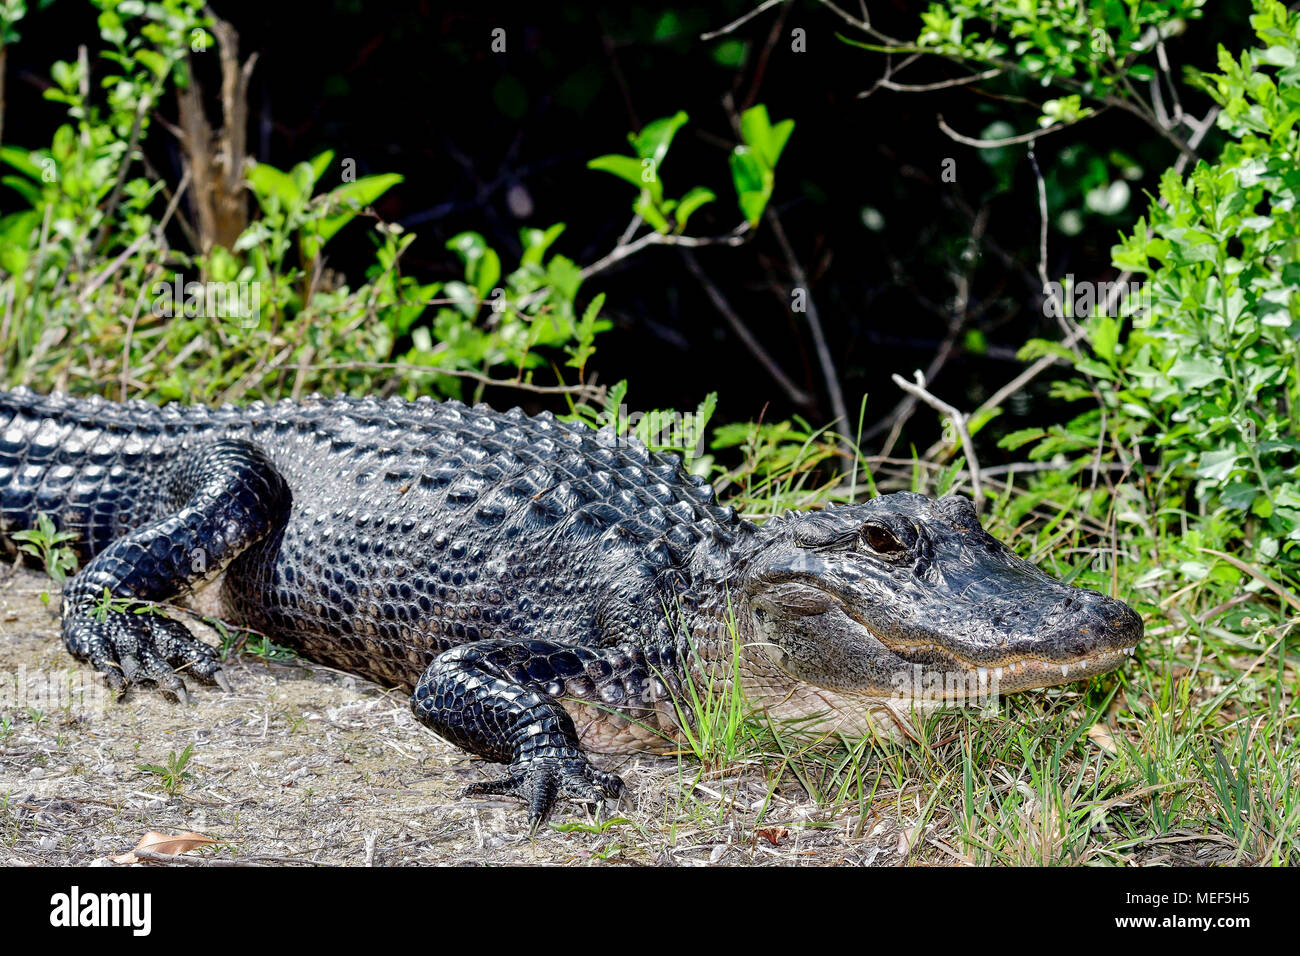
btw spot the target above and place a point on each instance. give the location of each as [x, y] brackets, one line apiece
[1065, 669]
[983, 673]
[997, 673]
[1129, 650]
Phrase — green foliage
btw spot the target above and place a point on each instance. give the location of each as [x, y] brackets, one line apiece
[50, 546]
[533, 307]
[11, 11]
[288, 209]
[172, 775]
[1205, 376]
[753, 169]
[1066, 62]
[753, 164]
[95, 292]
[1095, 49]
[650, 146]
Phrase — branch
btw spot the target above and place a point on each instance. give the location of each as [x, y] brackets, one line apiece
[959, 422]
[136, 243]
[796, 394]
[838, 409]
[586, 391]
[996, 143]
[115, 196]
[740, 21]
[620, 252]
[623, 249]
[889, 84]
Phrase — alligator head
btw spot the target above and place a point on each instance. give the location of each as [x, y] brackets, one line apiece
[907, 597]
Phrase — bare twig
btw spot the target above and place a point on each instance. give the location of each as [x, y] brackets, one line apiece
[839, 410]
[593, 392]
[1258, 575]
[957, 317]
[130, 250]
[793, 392]
[864, 24]
[741, 21]
[996, 143]
[620, 252]
[623, 249]
[959, 422]
[115, 196]
[886, 83]
[112, 267]
[182, 859]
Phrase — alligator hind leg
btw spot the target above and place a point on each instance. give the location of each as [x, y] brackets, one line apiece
[498, 698]
[219, 501]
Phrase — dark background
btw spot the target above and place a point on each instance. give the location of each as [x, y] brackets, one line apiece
[493, 142]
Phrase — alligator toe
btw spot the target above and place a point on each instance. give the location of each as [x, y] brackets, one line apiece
[540, 781]
[136, 647]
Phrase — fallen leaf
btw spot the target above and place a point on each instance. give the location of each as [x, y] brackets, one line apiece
[774, 835]
[1099, 734]
[163, 843]
[907, 839]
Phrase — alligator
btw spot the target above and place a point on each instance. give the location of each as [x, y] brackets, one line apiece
[544, 590]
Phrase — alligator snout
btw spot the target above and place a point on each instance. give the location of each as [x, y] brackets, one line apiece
[1085, 622]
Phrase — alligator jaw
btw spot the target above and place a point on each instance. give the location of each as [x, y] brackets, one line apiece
[1003, 675]
[1016, 674]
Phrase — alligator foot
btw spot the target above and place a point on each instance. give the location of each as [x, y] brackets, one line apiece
[221, 501]
[539, 781]
[141, 647]
[492, 697]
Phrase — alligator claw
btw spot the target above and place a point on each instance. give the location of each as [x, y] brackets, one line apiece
[539, 781]
[142, 649]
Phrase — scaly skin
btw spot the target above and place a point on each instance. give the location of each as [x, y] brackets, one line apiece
[543, 589]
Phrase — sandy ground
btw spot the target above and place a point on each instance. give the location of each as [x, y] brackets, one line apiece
[303, 764]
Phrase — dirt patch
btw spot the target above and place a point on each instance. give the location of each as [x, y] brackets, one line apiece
[301, 763]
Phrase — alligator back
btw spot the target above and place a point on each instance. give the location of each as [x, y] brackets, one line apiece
[413, 526]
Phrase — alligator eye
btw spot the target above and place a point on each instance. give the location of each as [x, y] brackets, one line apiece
[881, 540]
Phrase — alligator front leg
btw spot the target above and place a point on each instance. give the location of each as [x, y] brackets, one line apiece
[219, 501]
[500, 699]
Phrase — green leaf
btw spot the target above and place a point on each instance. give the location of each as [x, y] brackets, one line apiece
[1103, 335]
[692, 201]
[642, 173]
[536, 242]
[1196, 372]
[155, 61]
[624, 167]
[25, 187]
[768, 141]
[752, 182]
[482, 264]
[1217, 465]
[272, 186]
[1278, 56]
[22, 160]
[656, 136]
[646, 208]
[349, 199]
[320, 163]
